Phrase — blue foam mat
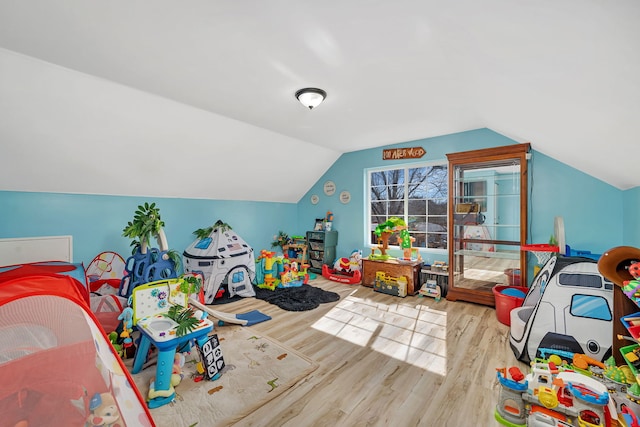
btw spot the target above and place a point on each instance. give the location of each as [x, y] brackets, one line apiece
[253, 317]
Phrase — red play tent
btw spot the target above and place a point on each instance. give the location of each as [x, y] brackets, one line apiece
[56, 366]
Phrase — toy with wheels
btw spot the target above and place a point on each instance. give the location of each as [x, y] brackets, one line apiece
[332, 274]
[345, 270]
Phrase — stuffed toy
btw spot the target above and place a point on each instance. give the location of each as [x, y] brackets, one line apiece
[634, 271]
[349, 265]
[176, 372]
[104, 411]
[127, 328]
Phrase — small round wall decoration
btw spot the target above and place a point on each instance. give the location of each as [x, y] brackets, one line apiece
[345, 197]
[329, 188]
[315, 199]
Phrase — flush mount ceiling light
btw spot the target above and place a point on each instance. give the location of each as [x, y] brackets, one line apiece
[311, 97]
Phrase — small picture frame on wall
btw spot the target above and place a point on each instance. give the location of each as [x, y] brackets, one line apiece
[329, 188]
[345, 197]
[319, 224]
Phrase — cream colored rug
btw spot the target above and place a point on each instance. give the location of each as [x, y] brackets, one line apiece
[258, 368]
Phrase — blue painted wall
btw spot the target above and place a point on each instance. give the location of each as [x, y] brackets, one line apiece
[591, 210]
[348, 173]
[596, 215]
[96, 222]
[631, 217]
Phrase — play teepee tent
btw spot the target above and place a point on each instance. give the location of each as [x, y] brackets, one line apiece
[223, 258]
[56, 366]
[568, 307]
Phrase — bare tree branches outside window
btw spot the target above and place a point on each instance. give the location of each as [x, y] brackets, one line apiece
[416, 194]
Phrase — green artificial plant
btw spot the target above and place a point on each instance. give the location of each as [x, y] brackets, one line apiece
[280, 240]
[148, 224]
[190, 284]
[202, 233]
[184, 317]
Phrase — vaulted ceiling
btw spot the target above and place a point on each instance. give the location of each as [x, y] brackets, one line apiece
[196, 99]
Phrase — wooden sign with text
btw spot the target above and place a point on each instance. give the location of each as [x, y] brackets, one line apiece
[403, 153]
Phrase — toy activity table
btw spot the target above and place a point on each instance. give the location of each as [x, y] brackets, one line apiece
[149, 303]
[159, 331]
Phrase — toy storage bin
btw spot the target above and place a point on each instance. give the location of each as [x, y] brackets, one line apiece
[632, 323]
[508, 298]
[513, 276]
[632, 365]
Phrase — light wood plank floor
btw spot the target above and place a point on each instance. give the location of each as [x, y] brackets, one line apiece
[386, 361]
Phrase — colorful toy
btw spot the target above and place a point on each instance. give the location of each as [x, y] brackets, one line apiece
[163, 320]
[269, 269]
[113, 339]
[332, 274]
[128, 349]
[64, 353]
[567, 389]
[294, 274]
[225, 260]
[176, 372]
[396, 286]
[104, 411]
[631, 288]
[431, 289]
[345, 270]
[405, 241]
[147, 264]
[555, 314]
[384, 232]
[105, 272]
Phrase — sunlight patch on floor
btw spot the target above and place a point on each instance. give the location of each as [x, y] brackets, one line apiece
[415, 334]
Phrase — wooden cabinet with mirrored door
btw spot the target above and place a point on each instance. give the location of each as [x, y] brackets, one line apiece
[487, 221]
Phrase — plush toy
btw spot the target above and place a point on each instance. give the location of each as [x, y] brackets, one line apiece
[349, 265]
[127, 328]
[127, 318]
[356, 258]
[104, 411]
[176, 372]
[634, 271]
[113, 338]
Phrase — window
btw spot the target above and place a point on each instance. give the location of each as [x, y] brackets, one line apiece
[238, 277]
[590, 306]
[418, 195]
[580, 279]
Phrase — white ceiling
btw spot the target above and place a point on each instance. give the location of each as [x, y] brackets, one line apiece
[198, 96]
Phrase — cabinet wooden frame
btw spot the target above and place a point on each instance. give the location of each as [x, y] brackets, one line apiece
[517, 152]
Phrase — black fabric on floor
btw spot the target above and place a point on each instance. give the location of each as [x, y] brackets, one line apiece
[301, 298]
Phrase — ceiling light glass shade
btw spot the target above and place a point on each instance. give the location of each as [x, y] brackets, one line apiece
[311, 97]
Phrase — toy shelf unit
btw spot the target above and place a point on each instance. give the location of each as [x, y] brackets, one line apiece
[322, 249]
[296, 250]
[410, 270]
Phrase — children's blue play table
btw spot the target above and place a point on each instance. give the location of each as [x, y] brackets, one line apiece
[160, 331]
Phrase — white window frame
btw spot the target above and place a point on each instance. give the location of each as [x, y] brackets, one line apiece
[368, 213]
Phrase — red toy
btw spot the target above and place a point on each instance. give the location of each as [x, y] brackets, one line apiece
[332, 274]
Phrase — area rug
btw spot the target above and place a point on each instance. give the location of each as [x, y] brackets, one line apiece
[257, 369]
[300, 298]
